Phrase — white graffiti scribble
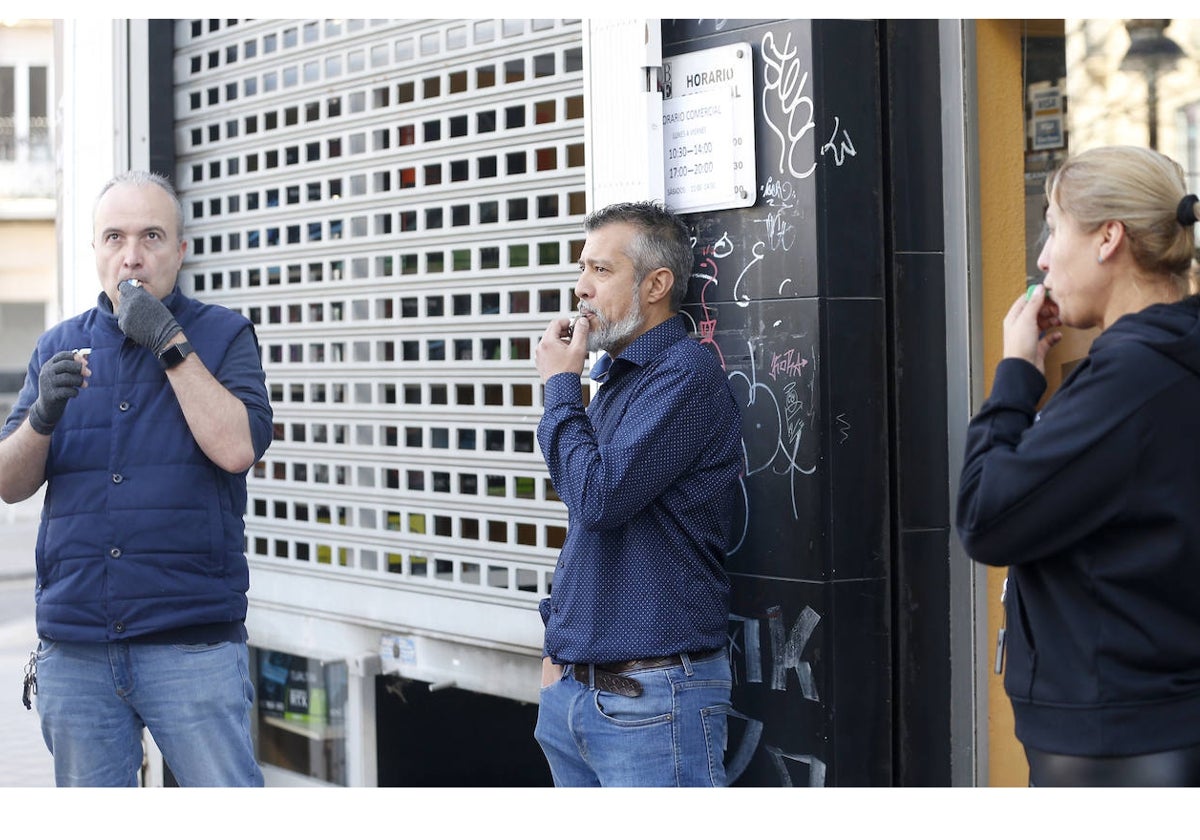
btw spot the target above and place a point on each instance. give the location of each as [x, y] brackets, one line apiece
[816, 767]
[739, 296]
[781, 233]
[745, 648]
[839, 151]
[778, 193]
[786, 422]
[788, 654]
[787, 649]
[783, 85]
[843, 427]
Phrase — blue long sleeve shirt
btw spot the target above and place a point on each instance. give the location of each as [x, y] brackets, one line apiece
[650, 474]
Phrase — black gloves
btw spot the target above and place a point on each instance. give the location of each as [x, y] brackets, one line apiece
[60, 379]
[145, 318]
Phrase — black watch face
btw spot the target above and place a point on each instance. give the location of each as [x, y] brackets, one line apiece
[174, 354]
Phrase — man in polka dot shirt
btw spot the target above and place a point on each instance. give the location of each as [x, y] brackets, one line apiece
[635, 674]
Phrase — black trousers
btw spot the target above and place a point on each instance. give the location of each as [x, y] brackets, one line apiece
[1171, 768]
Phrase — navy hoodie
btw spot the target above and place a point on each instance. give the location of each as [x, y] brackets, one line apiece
[1094, 505]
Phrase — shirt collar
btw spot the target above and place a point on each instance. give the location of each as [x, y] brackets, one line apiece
[642, 349]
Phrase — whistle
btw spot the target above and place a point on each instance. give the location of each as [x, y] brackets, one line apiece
[570, 330]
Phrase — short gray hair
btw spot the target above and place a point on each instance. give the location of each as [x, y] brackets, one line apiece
[138, 178]
[662, 241]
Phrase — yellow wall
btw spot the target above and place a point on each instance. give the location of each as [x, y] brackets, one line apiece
[1002, 217]
[27, 272]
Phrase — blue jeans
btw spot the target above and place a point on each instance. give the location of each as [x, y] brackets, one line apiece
[673, 735]
[95, 699]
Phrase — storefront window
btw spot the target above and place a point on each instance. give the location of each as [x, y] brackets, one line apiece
[1191, 143]
[301, 715]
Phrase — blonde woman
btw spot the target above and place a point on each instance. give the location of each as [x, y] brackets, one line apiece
[1094, 502]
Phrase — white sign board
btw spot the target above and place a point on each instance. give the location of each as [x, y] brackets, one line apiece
[1046, 122]
[708, 129]
[1048, 101]
[1048, 133]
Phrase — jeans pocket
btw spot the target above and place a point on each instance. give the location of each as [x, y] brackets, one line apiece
[647, 710]
[202, 647]
[715, 721]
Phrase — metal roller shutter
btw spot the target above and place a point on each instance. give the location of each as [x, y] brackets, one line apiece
[397, 205]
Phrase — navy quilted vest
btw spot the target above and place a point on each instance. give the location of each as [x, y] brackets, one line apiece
[140, 532]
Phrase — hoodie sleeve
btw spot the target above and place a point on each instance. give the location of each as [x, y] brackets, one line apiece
[1033, 486]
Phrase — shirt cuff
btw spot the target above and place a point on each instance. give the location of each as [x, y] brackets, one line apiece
[563, 389]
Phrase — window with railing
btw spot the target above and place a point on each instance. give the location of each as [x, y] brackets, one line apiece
[24, 113]
[8, 108]
[39, 115]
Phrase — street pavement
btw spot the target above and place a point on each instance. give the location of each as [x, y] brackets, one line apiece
[26, 762]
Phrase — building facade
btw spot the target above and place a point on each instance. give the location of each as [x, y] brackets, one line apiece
[28, 276]
[397, 205]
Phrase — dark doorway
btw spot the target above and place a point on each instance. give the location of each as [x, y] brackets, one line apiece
[454, 738]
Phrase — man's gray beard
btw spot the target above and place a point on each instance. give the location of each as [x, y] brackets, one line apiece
[611, 334]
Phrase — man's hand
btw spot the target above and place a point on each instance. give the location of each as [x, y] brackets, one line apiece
[60, 379]
[551, 673]
[144, 318]
[559, 352]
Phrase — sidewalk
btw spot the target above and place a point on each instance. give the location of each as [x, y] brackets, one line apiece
[27, 762]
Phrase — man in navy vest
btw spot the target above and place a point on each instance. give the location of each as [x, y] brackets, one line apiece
[142, 417]
[635, 675]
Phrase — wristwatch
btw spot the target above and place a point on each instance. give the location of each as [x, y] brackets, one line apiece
[174, 354]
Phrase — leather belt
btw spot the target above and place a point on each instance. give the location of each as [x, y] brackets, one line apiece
[609, 676]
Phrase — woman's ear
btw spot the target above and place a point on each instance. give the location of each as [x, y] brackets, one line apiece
[1113, 235]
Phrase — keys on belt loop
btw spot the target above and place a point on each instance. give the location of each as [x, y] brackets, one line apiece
[29, 686]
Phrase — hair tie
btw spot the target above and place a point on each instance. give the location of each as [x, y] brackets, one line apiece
[1186, 211]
